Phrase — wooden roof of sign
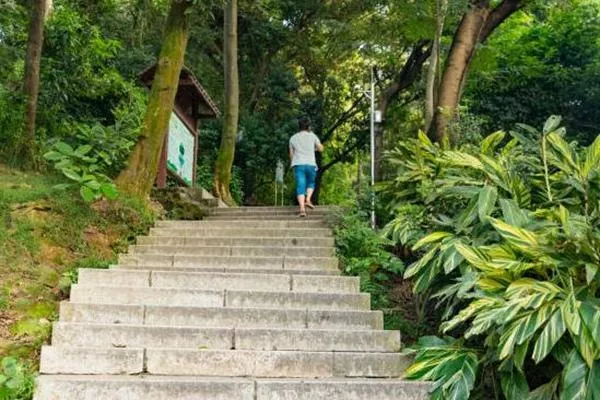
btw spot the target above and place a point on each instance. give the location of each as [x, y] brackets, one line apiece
[187, 78]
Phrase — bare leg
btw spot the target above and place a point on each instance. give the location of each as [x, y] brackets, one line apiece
[309, 193]
[301, 203]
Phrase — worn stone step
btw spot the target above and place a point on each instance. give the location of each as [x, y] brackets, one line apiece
[219, 317]
[341, 389]
[206, 269]
[142, 336]
[237, 241]
[139, 336]
[249, 223]
[267, 217]
[272, 209]
[234, 363]
[250, 212]
[223, 231]
[216, 298]
[234, 251]
[220, 281]
[145, 387]
[238, 262]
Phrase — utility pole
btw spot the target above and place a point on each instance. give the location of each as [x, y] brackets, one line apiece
[372, 95]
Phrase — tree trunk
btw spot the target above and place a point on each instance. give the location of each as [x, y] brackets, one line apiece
[31, 88]
[222, 177]
[432, 73]
[477, 24]
[140, 174]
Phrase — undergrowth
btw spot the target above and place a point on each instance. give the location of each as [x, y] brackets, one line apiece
[46, 235]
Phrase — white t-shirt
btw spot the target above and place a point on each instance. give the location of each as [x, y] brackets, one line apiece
[304, 145]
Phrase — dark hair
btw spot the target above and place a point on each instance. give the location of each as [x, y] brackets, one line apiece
[304, 124]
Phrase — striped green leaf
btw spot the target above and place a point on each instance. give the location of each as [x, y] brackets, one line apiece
[523, 239]
[431, 238]
[486, 201]
[489, 144]
[551, 334]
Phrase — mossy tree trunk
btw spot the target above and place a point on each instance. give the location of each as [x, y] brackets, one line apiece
[31, 87]
[222, 176]
[139, 175]
[477, 24]
[432, 73]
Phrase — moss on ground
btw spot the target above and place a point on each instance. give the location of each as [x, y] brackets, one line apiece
[46, 235]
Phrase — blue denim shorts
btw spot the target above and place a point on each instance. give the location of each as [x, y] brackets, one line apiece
[305, 178]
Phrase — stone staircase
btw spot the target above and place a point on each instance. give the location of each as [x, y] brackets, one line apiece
[248, 304]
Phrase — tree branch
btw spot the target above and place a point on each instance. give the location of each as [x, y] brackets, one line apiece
[499, 15]
[351, 112]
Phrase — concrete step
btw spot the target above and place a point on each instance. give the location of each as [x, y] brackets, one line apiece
[208, 269]
[219, 317]
[219, 281]
[233, 363]
[278, 218]
[191, 231]
[237, 241]
[249, 223]
[236, 262]
[133, 336]
[234, 251]
[273, 210]
[144, 387]
[216, 298]
[287, 212]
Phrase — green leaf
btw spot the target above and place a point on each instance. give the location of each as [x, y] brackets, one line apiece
[109, 190]
[64, 148]
[489, 144]
[83, 150]
[574, 380]
[53, 156]
[486, 201]
[514, 385]
[565, 158]
[431, 238]
[521, 238]
[552, 124]
[69, 173]
[591, 270]
[551, 334]
[93, 184]
[88, 194]
[512, 213]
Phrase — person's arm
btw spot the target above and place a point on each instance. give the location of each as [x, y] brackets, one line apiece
[318, 145]
[291, 153]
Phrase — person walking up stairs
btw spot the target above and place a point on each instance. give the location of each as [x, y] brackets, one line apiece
[248, 304]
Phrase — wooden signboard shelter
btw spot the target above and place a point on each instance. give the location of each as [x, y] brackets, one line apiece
[180, 150]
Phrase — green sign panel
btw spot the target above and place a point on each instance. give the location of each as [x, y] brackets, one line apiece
[180, 150]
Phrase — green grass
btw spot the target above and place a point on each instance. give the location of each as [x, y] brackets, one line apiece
[46, 235]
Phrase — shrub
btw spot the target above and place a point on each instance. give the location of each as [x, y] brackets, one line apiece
[512, 251]
[16, 383]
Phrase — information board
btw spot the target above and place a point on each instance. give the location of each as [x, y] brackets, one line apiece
[180, 150]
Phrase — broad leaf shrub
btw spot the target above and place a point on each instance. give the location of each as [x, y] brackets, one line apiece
[507, 236]
[363, 253]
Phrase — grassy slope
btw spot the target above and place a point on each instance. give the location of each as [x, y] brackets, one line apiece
[45, 236]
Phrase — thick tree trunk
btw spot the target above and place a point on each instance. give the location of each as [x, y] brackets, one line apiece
[140, 174]
[459, 59]
[222, 176]
[432, 73]
[477, 24]
[31, 88]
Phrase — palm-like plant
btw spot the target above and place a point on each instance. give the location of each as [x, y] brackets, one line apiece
[513, 253]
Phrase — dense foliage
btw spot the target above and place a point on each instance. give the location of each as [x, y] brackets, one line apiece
[507, 234]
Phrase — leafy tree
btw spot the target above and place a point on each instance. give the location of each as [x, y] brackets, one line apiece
[542, 62]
